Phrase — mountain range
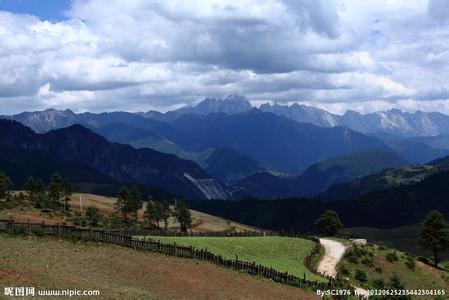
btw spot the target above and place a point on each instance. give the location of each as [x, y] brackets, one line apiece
[320, 176]
[273, 151]
[393, 122]
[386, 179]
[388, 208]
[77, 145]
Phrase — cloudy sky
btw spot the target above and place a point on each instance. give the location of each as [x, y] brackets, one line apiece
[137, 55]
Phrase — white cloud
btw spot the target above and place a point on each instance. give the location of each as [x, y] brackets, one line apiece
[138, 55]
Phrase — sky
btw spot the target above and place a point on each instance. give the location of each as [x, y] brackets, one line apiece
[140, 55]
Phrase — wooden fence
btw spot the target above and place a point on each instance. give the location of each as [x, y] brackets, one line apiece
[172, 249]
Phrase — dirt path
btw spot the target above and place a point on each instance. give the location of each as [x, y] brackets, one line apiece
[333, 253]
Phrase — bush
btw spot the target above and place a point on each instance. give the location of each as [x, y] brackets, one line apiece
[18, 230]
[368, 262]
[424, 260]
[379, 283]
[379, 270]
[37, 231]
[360, 276]
[354, 254]
[396, 283]
[392, 257]
[410, 263]
[344, 271]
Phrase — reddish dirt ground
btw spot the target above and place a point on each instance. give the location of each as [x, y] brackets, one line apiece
[122, 273]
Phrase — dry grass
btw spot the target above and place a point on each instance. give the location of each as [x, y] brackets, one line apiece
[201, 221]
[123, 273]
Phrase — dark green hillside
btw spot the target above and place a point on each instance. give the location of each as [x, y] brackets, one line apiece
[388, 178]
[20, 164]
[399, 206]
[123, 163]
[320, 176]
[228, 165]
[404, 238]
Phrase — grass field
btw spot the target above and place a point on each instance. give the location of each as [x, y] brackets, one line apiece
[123, 273]
[283, 254]
[200, 221]
[372, 260]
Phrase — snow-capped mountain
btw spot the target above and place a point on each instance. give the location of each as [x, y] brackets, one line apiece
[394, 121]
[231, 104]
[303, 114]
[397, 122]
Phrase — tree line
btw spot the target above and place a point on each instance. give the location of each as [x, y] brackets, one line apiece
[55, 198]
[130, 201]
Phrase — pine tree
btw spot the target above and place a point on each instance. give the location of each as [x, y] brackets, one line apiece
[67, 190]
[31, 188]
[158, 213]
[182, 214]
[119, 205]
[435, 234]
[93, 215]
[55, 190]
[149, 214]
[5, 186]
[134, 202]
[40, 186]
[166, 213]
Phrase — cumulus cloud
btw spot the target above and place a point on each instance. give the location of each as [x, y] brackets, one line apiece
[141, 55]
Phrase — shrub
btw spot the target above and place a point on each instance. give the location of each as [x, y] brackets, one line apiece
[354, 254]
[424, 260]
[396, 283]
[352, 257]
[18, 230]
[344, 271]
[379, 283]
[392, 257]
[360, 276]
[37, 231]
[410, 263]
[379, 270]
[368, 262]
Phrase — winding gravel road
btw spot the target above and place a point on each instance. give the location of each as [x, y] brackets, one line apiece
[334, 253]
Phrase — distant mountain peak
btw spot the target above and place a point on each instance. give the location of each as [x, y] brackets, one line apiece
[231, 104]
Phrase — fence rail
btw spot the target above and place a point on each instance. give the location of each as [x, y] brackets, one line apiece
[171, 249]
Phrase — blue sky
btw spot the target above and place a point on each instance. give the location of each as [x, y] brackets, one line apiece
[52, 10]
[104, 55]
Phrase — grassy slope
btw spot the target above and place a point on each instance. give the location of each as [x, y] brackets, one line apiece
[124, 273]
[283, 254]
[422, 277]
[201, 221]
[404, 238]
